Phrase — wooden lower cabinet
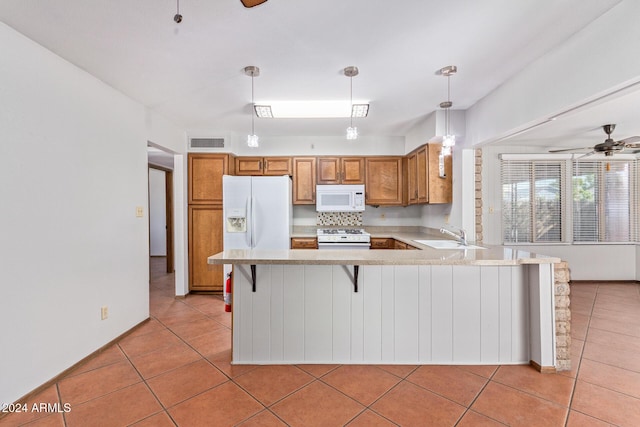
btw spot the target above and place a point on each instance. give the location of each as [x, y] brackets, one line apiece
[304, 243]
[205, 239]
[381, 243]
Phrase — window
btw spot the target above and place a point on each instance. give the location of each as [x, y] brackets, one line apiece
[532, 201]
[604, 208]
[549, 201]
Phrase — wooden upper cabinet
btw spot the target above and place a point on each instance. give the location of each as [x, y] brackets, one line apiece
[417, 176]
[440, 188]
[384, 181]
[263, 166]
[341, 170]
[304, 181]
[205, 172]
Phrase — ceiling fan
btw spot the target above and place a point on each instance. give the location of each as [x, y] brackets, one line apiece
[252, 3]
[609, 146]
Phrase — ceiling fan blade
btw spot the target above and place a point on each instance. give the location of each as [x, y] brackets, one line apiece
[585, 155]
[252, 3]
[570, 149]
[632, 146]
[630, 139]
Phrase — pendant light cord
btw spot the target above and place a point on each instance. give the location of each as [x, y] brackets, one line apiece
[252, 106]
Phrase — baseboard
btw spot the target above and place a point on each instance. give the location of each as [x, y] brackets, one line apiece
[543, 369]
[62, 374]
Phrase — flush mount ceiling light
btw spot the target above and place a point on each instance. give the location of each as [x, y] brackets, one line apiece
[448, 140]
[311, 109]
[252, 139]
[351, 72]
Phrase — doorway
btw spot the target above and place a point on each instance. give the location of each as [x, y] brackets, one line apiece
[161, 214]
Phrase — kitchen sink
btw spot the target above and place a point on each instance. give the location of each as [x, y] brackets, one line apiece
[447, 244]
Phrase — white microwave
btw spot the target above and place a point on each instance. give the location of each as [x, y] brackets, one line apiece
[339, 198]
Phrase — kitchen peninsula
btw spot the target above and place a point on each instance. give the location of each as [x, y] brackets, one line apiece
[428, 306]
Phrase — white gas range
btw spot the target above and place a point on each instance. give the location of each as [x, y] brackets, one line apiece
[343, 238]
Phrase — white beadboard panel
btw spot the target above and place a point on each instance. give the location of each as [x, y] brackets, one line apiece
[261, 319]
[387, 315]
[357, 319]
[318, 312]
[490, 310]
[372, 313]
[442, 313]
[505, 315]
[276, 302]
[341, 323]
[243, 312]
[400, 315]
[466, 314]
[406, 313]
[542, 322]
[293, 338]
[425, 314]
[519, 315]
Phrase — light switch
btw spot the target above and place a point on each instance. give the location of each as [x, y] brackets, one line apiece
[139, 211]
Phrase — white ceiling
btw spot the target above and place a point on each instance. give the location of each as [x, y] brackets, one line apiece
[192, 72]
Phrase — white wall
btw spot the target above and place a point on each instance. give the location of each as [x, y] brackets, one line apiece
[157, 213]
[601, 57]
[74, 169]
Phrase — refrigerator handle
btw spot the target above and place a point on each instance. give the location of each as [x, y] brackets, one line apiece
[253, 223]
[248, 235]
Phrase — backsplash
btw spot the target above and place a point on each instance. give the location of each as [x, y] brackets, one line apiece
[339, 218]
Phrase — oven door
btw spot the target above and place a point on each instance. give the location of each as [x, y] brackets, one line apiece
[350, 245]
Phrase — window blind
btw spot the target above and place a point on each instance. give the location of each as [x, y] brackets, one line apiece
[532, 201]
[605, 201]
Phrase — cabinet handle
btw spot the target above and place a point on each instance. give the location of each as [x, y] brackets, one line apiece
[260, 164]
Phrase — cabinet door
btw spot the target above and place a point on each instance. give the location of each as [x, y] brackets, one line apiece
[205, 239]
[277, 166]
[397, 244]
[351, 170]
[381, 243]
[304, 180]
[412, 179]
[422, 177]
[328, 170]
[384, 181]
[440, 189]
[205, 177]
[249, 165]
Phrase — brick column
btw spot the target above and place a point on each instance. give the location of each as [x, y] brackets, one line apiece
[478, 191]
[563, 316]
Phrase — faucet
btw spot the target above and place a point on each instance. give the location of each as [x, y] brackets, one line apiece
[461, 238]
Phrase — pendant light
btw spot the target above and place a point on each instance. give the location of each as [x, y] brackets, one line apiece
[351, 72]
[177, 17]
[448, 140]
[252, 139]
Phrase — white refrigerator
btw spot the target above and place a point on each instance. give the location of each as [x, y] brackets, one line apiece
[258, 213]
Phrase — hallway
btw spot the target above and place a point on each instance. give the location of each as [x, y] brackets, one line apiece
[175, 370]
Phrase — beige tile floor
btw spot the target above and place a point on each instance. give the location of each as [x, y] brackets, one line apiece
[175, 370]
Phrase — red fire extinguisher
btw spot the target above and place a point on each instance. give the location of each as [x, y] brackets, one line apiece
[227, 294]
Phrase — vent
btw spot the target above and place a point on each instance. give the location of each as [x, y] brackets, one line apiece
[207, 142]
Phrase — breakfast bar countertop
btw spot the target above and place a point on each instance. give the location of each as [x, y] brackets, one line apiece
[492, 255]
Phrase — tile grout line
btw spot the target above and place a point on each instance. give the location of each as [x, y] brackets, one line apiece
[575, 383]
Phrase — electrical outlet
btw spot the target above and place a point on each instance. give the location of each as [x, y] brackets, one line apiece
[139, 211]
[490, 209]
[383, 216]
[446, 219]
[104, 312]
